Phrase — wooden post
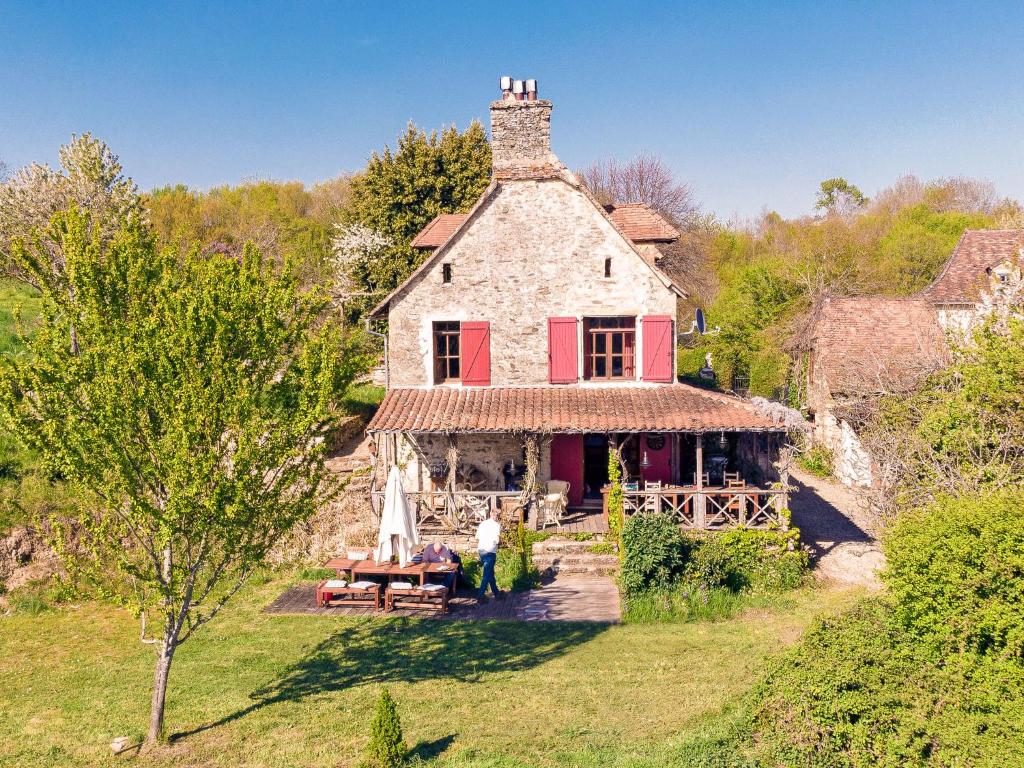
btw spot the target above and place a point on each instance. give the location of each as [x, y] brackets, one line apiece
[700, 514]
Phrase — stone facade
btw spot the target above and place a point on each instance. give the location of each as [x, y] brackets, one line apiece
[534, 249]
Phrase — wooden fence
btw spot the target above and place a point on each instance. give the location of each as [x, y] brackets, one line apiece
[712, 508]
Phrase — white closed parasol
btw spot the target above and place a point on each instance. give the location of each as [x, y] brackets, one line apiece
[397, 528]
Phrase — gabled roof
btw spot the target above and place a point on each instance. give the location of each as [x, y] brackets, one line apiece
[562, 175]
[438, 230]
[640, 223]
[869, 344]
[964, 274]
[674, 408]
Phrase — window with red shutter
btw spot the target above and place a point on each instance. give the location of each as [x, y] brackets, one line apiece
[563, 350]
[659, 348]
[476, 354]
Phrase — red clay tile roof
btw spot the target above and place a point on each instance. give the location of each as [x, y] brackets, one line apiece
[673, 408]
[438, 230]
[870, 344]
[964, 273]
[640, 223]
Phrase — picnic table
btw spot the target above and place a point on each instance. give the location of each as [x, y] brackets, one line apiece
[358, 569]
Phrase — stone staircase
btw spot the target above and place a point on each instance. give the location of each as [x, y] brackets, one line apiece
[556, 556]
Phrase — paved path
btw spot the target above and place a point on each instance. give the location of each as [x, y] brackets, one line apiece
[566, 598]
[839, 532]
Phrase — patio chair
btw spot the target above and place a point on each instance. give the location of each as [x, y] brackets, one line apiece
[430, 596]
[652, 501]
[554, 504]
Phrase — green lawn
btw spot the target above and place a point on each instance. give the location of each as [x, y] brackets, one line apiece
[16, 298]
[260, 690]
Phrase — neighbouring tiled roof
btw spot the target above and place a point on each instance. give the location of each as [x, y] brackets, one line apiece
[964, 273]
[672, 408]
[438, 230]
[870, 344]
[640, 223]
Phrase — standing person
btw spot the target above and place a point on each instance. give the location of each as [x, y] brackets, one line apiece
[487, 535]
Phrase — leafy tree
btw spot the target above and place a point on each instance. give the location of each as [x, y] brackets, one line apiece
[837, 195]
[399, 192]
[191, 418]
[387, 749]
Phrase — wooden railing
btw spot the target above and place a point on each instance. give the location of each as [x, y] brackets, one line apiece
[712, 508]
[458, 511]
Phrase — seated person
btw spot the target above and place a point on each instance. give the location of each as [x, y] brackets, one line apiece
[439, 553]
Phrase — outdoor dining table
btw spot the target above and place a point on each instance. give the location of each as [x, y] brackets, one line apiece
[391, 571]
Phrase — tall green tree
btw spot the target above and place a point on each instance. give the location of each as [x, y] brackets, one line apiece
[400, 191]
[837, 195]
[190, 417]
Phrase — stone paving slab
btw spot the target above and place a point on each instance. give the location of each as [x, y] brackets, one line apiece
[566, 598]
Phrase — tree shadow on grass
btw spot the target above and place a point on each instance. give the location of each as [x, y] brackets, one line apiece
[429, 750]
[413, 650]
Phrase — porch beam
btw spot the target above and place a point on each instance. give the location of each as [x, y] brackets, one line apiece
[700, 511]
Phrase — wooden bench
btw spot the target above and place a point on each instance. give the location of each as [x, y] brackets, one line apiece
[325, 595]
[417, 597]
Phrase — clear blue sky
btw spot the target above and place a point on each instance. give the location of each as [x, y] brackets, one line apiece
[751, 105]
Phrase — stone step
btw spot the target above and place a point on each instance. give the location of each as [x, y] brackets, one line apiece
[578, 570]
[562, 546]
[584, 559]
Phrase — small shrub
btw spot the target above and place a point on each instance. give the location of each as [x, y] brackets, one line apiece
[817, 460]
[387, 748]
[748, 558]
[602, 548]
[653, 553]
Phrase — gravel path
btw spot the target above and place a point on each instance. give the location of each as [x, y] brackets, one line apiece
[839, 532]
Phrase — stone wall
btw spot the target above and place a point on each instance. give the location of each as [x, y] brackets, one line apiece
[521, 134]
[420, 455]
[535, 249]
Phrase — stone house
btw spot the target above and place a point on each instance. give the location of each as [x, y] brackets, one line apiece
[539, 331]
[856, 349]
[983, 266]
[861, 347]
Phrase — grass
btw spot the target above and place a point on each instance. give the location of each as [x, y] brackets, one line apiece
[363, 399]
[16, 298]
[258, 690]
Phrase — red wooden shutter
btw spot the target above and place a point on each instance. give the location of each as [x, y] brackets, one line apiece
[562, 350]
[659, 348]
[476, 353]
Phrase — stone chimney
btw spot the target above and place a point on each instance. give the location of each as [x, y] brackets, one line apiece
[520, 129]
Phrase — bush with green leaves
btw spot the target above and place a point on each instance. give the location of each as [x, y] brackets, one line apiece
[748, 559]
[387, 748]
[956, 573]
[860, 691]
[653, 553]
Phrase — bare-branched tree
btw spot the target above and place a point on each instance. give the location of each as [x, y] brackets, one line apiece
[643, 179]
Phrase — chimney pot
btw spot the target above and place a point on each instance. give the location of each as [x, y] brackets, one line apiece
[519, 89]
[531, 90]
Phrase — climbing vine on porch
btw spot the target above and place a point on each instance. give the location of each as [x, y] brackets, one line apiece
[615, 497]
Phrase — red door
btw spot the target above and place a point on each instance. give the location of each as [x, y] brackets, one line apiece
[567, 464]
[659, 454]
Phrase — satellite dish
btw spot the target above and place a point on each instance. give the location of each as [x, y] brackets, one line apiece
[699, 326]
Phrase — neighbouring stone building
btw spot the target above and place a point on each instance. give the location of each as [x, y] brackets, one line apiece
[983, 265]
[541, 321]
[857, 348]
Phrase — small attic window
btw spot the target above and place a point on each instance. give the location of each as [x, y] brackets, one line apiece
[446, 273]
[608, 267]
